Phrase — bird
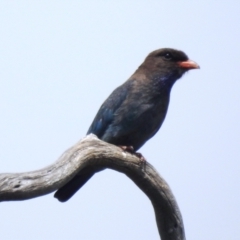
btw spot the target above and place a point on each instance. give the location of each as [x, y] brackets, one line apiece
[134, 111]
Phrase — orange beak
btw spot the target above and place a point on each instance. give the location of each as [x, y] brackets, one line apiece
[189, 64]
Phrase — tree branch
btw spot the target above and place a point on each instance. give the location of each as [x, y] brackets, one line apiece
[92, 152]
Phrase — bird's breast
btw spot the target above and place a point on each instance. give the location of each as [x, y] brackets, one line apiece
[137, 122]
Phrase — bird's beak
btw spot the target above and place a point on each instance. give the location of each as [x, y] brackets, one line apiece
[189, 64]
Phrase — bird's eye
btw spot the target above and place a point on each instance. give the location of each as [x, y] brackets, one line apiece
[168, 56]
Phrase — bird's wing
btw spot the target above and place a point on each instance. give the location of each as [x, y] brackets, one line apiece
[105, 114]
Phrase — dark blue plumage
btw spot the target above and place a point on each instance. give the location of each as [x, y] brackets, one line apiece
[129, 117]
[135, 111]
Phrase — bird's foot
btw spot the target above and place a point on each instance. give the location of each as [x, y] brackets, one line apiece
[142, 159]
[140, 156]
[129, 149]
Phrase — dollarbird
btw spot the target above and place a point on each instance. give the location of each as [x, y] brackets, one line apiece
[135, 111]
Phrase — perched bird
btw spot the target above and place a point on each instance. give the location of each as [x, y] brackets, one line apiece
[135, 111]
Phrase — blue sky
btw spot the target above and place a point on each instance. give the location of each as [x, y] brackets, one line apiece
[60, 60]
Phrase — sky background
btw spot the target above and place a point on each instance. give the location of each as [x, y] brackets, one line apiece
[59, 60]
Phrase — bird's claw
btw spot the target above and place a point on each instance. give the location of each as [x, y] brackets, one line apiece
[129, 149]
[140, 156]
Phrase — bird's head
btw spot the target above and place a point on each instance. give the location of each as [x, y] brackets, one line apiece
[167, 64]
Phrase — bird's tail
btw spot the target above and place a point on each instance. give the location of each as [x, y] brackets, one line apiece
[67, 191]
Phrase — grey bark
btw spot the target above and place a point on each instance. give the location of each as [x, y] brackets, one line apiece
[92, 152]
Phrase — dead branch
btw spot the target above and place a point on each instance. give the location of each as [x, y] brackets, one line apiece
[88, 152]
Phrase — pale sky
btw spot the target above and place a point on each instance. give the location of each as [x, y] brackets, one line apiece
[59, 60]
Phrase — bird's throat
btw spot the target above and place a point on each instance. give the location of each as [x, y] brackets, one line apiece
[164, 82]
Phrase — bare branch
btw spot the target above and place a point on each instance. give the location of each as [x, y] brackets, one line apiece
[88, 152]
